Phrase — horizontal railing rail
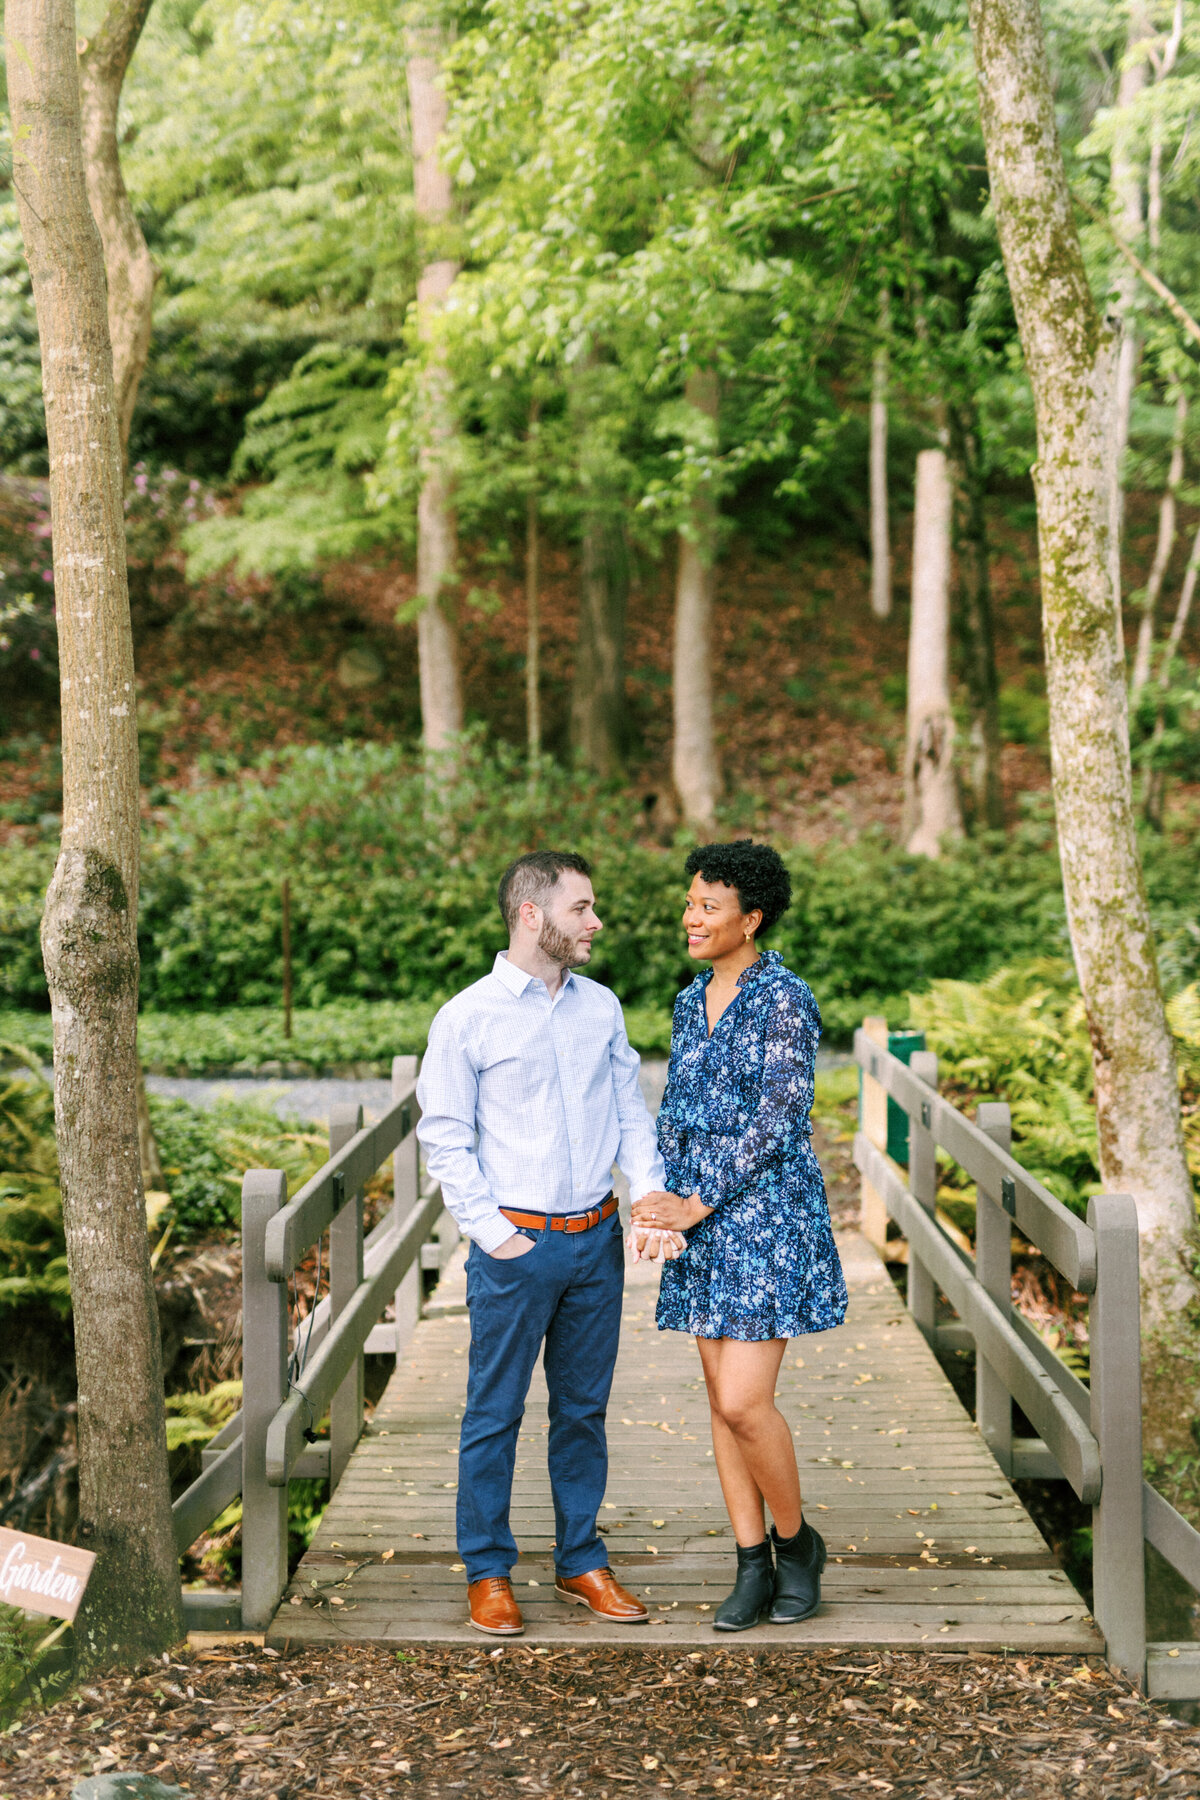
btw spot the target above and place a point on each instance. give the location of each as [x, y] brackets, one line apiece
[292, 1379]
[1089, 1432]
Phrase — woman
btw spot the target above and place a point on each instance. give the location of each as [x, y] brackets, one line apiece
[760, 1265]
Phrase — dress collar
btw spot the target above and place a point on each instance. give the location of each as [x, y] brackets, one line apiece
[766, 962]
[516, 980]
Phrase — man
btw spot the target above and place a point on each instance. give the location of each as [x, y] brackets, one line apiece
[529, 1093]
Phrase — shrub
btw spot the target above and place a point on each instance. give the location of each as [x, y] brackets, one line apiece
[206, 1150]
[393, 896]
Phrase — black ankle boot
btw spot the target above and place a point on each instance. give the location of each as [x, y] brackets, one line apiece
[798, 1564]
[752, 1591]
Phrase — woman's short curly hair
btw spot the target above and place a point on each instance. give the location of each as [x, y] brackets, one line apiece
[755, 870]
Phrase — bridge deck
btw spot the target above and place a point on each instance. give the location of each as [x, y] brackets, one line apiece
[928, 1543]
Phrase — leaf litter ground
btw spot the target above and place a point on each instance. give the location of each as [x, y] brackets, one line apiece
[764, 1724]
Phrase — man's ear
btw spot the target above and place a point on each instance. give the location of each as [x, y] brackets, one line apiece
[528, 913]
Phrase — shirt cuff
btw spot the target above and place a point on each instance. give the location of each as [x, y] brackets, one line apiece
[493, 1232]
[639, 1189]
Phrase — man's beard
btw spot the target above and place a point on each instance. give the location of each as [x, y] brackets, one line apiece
[556, 947]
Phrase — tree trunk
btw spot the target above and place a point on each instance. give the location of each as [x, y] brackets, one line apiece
[130, 269]
[437, 535]
[976, 630]
[89, 930]
[694, 763]
[881, 550]
[1071, 356]
[598, 694]
[533, 634]
[931, 809]
[1126, 188]
[1162, 556]
[598, 721]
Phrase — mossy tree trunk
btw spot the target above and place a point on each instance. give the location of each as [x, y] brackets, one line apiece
[975, 623]
[1071, 355]
[437, 531]
[130, 269]
[89, 931]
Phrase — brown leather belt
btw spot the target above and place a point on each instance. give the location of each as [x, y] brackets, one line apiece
[532, 1221]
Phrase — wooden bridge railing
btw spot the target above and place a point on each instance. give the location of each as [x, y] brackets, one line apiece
[290, 1380]
[1089, 1434]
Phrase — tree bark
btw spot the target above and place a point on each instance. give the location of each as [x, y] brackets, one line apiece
[130, 269]
[931, 808]
[598, 717]
[1071, 356]
[881, 549]
[694, 763]
[1126, 188]
[598, 693]
[89, 930]
[533, 632]
[1162, 556]
[437, 533]
[976, 629]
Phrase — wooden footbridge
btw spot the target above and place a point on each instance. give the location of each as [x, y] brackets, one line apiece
[929, 1545]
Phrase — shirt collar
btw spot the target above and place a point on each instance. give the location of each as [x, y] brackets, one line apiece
[516, 980]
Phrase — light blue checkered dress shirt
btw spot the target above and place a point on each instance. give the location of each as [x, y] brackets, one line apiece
[527, 1102]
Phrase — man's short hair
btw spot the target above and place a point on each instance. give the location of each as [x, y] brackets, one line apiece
[532, 877]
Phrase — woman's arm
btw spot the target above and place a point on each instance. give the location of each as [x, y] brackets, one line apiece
[780, 1121]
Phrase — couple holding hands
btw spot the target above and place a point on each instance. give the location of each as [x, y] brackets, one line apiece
[529, 1094]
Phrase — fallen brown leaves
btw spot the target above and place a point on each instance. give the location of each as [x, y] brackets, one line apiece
[762, 1724]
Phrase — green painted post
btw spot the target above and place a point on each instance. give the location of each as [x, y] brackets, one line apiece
[901, 1044]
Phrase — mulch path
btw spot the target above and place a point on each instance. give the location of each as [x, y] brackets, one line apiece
[771, 1725]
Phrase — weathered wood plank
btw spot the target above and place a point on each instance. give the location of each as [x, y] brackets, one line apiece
[888, 1458]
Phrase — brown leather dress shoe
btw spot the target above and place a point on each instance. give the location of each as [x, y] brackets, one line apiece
[601, 1592]
[493, 1608]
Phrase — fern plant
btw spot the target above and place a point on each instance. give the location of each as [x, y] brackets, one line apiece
[33, 1250]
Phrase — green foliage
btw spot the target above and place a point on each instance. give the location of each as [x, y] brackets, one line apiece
[36, 1662]
[33, 1252]
[206, 1150]
[393, 900]
[196, 1418]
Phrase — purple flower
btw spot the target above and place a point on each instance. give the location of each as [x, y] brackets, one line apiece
[35, 656]
[47, 574]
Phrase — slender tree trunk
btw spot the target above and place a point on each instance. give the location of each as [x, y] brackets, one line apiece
[437, 534]
[1071, 356]
[931, 808]
[89, 930]
[881, 549]
[533, 635]
[598, 694]
[1182, 613]
[1126, 188]
[131, 272]
[598, 721]
[976, 629]
[694, 763]
[1162, 555]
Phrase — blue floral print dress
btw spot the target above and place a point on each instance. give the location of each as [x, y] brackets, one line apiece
[734, 1128]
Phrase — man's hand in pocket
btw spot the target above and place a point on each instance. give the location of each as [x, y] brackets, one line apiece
[516, 1245]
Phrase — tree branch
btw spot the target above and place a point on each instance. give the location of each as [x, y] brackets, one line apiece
[1152, 281]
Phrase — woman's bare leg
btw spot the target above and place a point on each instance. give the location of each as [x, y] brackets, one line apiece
[751, 1437]
[752, 1443]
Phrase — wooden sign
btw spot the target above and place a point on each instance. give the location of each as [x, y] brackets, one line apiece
[42, 1576]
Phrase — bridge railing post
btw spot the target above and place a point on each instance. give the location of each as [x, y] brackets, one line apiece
[922, 1182]
[872, 1120]
[345, 1274]
[264, 1388]
[1114, 1327]
[993, 1269]
[406, 1181]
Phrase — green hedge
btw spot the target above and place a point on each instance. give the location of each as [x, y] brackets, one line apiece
[393, 893]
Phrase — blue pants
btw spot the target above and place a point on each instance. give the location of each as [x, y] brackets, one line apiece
[565, 1293]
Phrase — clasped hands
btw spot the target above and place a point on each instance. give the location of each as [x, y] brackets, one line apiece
[658, 1223]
